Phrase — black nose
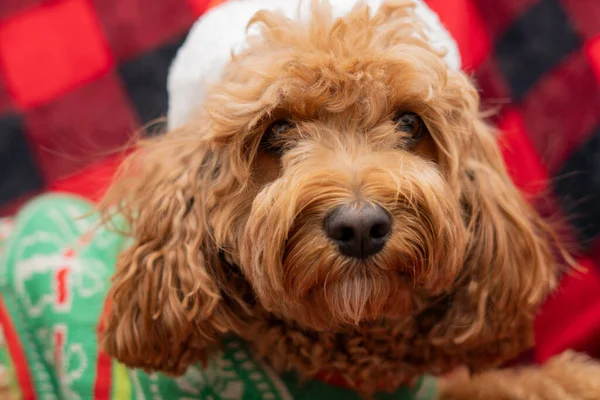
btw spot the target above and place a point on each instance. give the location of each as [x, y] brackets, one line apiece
[359, 229]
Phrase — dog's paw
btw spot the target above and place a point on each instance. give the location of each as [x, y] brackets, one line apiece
[576, 374]
[569, 376]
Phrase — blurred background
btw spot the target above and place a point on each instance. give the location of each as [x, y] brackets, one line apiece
[79, 77]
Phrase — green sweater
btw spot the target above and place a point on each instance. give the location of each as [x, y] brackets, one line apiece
[55, 269]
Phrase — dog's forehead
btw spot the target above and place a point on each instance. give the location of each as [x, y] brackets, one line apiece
[209, 46]
[307, 85]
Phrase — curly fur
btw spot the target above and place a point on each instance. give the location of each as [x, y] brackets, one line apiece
[228, 238]
[569, 376]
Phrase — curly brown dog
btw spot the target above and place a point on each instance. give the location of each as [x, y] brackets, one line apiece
[339, 203]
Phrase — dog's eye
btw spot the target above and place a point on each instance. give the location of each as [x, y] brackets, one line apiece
[409, 123]
[272, 141]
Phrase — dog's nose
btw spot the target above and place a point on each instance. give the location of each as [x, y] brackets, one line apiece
[359, 229]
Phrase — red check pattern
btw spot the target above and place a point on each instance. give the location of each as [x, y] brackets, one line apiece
[77, 77]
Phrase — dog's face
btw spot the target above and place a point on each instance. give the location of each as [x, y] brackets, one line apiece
[357, 217]
[345, 170]
[352, 214]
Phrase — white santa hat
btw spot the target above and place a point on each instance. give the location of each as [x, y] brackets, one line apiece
[207, 49]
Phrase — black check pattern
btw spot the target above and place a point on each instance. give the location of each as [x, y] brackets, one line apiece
[534, 44]
[578, 185]
[145, 79]
[19, 173]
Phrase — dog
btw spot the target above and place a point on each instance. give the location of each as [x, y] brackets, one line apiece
[339, 203]
[336, 202]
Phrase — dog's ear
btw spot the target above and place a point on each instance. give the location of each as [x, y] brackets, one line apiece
[170, 299]
[510, 266]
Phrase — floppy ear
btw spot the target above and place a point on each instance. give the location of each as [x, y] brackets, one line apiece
[167, 303]
[509, 267]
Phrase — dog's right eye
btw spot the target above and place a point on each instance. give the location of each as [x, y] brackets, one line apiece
[409, 123]
[272, 142]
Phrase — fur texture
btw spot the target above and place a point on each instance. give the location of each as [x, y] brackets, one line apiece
[568, 376]
[228, 237]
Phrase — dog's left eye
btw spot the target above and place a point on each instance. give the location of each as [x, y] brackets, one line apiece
[409, 123]
[272, 141]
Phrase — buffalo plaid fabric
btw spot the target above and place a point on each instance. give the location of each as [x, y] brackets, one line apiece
[77, 77]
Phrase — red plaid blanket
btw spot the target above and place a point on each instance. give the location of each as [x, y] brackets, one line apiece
[77, 77]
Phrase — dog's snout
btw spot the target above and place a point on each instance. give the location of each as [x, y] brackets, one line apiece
[360, 230]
